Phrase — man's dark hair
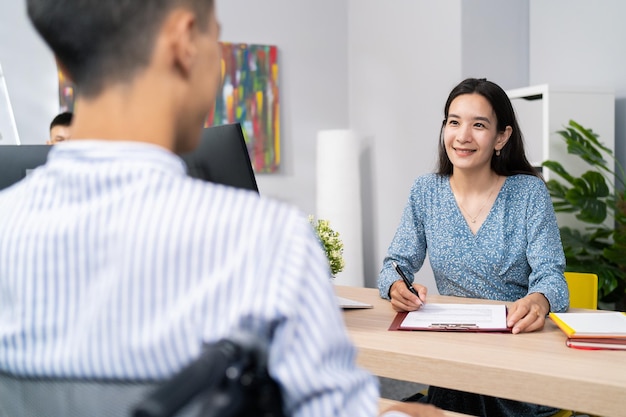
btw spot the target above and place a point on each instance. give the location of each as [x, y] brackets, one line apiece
[62, 119]
[101, 41]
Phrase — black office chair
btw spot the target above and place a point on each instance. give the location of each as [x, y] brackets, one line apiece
[229, 379]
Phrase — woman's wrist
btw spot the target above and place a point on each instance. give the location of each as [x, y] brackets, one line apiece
[394, 413]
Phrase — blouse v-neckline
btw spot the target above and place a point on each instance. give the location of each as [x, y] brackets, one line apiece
[460, 212]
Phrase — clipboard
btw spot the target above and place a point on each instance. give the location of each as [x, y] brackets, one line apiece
[454, 317]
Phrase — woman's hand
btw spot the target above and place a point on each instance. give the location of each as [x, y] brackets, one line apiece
[528, 314]
[415, 410]
[404, 300]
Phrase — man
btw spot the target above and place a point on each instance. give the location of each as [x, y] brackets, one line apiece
[116, 265]
[60, 128]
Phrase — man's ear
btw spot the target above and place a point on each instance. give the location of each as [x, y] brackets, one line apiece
[180, 30]
[503, 138]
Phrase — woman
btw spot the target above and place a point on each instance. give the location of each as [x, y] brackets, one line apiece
[488, 224]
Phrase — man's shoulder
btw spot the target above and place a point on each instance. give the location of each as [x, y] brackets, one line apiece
[232, 204]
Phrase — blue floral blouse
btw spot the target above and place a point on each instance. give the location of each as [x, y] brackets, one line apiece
[516, 251]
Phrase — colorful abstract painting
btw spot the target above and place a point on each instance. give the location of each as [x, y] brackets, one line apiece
[250, 96]
[66, 92]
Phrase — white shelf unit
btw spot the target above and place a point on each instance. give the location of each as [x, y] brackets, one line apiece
[542, 110]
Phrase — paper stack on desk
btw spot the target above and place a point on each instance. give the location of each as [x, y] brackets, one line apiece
[593, 330]
[454, 317]
[347, 303]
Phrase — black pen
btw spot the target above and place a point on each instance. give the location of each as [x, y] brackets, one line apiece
[406, 281]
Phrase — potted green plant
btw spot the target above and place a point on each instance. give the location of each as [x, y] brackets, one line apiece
[599, 246]
[331, 243]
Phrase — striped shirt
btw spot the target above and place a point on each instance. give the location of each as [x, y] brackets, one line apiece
[114, 264]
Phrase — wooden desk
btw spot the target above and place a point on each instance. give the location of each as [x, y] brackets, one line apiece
[533, 367]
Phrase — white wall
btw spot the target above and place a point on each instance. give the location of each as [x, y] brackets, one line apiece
[312, 45]
[495, 41]
[312, 41]
[404, 57]
[581, 43]
[383, 68]
[30, 73]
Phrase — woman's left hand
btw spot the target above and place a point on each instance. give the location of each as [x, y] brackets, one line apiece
[528, 314]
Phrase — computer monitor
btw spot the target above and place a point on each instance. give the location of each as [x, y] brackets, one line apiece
[16, 161]
[221, 157]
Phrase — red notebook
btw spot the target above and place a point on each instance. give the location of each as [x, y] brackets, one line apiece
[600, 330]
[597, 344]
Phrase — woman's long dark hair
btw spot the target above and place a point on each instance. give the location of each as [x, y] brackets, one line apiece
[512, 159]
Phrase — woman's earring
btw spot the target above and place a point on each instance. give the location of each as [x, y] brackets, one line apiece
[498, 152]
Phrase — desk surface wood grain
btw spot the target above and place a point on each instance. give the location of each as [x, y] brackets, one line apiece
[533, 367]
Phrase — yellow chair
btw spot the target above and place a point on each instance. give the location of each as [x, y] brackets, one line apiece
[583, 290]
[583, 293]
[563, 413]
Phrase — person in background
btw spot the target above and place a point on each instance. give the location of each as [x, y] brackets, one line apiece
[114, 264]
[488, 224]
[60, 128]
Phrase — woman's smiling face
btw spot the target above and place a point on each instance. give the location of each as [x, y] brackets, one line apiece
[471, 132]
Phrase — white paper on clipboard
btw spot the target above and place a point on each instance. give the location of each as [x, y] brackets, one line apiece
[476, 317]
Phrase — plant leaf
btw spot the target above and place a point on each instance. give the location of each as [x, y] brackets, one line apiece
[578, 145]
[558, 169]
[557, 189]
[587, 195]
[577, 244]
[599, 249]
[591, 136]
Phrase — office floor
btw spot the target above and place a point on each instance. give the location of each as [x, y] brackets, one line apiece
[394, 389]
